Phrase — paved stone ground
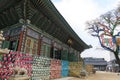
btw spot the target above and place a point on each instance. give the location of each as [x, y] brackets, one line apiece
[98, 76]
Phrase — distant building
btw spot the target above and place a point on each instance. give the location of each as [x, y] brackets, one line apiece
[98, 63]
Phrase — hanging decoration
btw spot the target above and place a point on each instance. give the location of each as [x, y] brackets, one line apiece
[107, 40]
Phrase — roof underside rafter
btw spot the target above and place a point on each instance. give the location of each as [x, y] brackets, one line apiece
[43, 15]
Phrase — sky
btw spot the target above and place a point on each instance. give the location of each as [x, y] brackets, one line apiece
[77, 12]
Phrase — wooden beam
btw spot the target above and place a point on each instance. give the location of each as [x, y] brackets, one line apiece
[43, 23]
[1, 20]
[19, 10]
[7, 18]
[36, 18]
[31, 11]
[48, 26]
[13, 13]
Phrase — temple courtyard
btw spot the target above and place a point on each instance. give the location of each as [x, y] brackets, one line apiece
[100, 75]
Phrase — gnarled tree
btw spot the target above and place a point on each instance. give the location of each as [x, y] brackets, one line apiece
[107, 29]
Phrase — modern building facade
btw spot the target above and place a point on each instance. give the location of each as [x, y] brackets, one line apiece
[98, 63]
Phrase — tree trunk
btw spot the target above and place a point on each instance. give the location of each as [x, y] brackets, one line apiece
[117, 59]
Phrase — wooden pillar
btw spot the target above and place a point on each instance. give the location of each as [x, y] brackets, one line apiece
[39, 46]
[52, 50]
[20, 41]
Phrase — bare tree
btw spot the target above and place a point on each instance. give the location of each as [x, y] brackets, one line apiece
[107, 29]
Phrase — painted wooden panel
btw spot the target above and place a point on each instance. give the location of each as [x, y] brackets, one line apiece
[31, 45]
[6, 33]
[5, 44]
[15, 31]
[32, 33]
[47, 40]
[45, 49]
[64, 55]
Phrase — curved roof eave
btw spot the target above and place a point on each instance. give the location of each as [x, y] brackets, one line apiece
[4, 4]
[52, 12]
[49, 10]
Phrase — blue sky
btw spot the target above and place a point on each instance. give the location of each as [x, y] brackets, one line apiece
[104, 3]
[56, 1]
[77, 12]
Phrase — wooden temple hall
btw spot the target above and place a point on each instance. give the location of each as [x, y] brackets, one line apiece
[36, 27]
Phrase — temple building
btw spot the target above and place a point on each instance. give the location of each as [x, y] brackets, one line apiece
[98, 63]
[36, 27]
[42, 45]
